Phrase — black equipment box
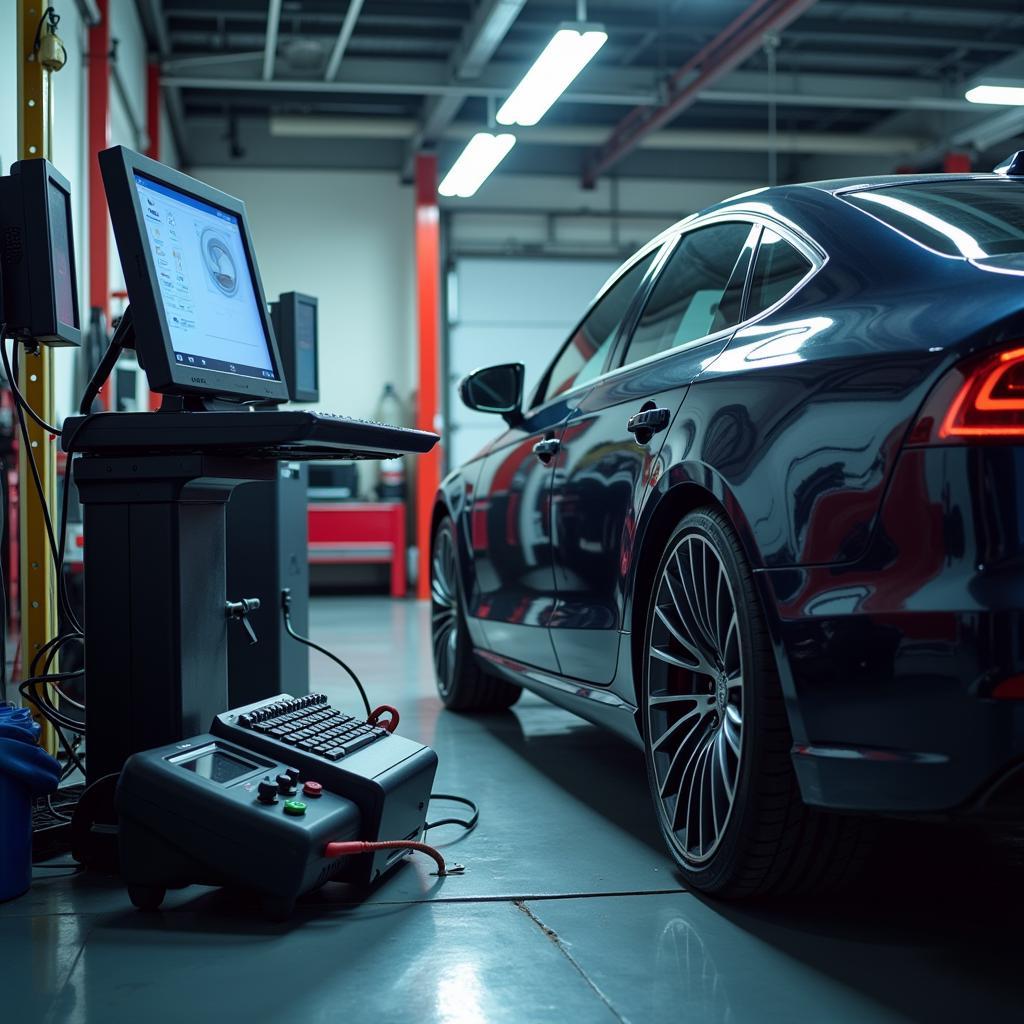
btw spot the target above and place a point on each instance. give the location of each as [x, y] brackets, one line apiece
[241, 808]
[267, 552]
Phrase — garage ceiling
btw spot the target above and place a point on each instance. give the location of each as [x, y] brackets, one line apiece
[856, 86]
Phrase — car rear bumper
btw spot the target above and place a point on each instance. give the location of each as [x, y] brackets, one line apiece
[895, 667]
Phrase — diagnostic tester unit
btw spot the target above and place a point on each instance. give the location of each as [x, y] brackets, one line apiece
[282, 795]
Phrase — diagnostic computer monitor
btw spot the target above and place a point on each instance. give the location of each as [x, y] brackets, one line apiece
[37, 255]
[198, 308]
[295, 325]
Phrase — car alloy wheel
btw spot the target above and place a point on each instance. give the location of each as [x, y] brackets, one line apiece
[695, 697]
[444, 608]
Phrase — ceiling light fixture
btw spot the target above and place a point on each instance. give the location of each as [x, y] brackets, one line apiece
[482, 154]
[1003, 95]
[571, 48]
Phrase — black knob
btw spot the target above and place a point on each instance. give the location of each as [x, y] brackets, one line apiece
[286, 784]
[293, 774]
[267, 792]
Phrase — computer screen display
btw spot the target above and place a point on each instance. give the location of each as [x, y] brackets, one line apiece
[59, 204]
[305, 346]
[206, 287]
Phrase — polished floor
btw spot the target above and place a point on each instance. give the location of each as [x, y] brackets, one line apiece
[568, 911]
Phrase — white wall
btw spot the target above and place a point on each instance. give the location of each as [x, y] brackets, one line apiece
[347, 238]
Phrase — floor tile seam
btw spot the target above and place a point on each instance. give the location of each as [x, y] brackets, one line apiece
[445, 900]
[555, 939]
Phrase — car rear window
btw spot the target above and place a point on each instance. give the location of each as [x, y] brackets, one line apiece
[974, 219]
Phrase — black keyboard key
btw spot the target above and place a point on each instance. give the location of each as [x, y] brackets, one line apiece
[334, 754]
[306, 745]
[321, 748]
[357, 744]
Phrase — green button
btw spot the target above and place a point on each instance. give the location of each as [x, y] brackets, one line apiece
[295, 807]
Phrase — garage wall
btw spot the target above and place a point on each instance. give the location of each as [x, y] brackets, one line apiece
[347, 238]
[509, 310]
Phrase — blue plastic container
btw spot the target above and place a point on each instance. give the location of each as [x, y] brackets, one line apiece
[15, 838]
[26, 771]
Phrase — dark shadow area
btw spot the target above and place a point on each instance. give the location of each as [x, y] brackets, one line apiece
[591, 764]
[931, 930]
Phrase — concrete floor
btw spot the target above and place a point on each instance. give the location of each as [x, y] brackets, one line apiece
[569, 909]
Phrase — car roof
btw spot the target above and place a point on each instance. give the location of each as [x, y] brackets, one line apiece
[837, 185]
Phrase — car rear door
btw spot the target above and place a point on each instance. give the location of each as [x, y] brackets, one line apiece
[510, 520]
[610, 445]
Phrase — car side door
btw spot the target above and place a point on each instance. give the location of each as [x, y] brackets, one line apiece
[510, 530]
[609, 447]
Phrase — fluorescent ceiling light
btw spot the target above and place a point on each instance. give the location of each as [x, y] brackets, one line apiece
[1004, 95]
[482, 154]
[568, 53]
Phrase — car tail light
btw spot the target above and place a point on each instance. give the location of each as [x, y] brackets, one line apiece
[981, 400]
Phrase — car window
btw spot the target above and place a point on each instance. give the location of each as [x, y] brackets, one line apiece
[959, 218]
[584, 353]
[778, 269]
[697, 293]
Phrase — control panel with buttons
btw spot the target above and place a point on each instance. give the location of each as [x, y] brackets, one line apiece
[244, 808]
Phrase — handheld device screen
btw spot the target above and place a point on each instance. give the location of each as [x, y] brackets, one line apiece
[218, 766]
[205, 281]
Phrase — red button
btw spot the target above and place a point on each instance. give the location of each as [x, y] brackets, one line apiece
[312, 789]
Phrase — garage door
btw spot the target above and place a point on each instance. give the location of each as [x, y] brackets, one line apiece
[509, 310]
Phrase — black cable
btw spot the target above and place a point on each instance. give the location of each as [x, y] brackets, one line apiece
[56, 550]
[19, 398]
[286, 610]
[119, 340]
[468, 824]
[4, 509]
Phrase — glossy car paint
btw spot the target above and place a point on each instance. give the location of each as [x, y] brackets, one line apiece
[889, 574]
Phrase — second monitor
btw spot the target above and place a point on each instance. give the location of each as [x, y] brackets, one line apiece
[295, 324]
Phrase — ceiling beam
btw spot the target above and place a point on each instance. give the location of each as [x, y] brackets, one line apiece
[151, 13]
[730, 48]
[270, 46]
[731, 141]
[481, 37]
[838, 92]
[348, 26]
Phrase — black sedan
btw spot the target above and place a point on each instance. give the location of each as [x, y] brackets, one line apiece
[764, 513]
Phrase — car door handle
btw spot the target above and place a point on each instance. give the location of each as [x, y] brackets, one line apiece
[648, 422]
[546, 450]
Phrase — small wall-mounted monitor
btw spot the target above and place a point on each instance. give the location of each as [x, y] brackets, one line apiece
[37, 256]
[295, 324]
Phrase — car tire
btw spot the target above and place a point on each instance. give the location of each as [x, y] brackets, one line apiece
[716, 736]
[461, 683]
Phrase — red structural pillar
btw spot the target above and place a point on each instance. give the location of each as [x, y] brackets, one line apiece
[428, 294]
[99, 138]
[153, 109]
[957, 163]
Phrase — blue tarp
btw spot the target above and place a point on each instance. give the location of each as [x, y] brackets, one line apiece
[22, 760]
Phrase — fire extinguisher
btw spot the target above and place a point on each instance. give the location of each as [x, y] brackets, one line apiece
[391, 472]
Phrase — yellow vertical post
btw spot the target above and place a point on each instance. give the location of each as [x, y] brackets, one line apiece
[37, 576]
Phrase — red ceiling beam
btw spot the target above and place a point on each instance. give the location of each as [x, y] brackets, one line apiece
[733, 45]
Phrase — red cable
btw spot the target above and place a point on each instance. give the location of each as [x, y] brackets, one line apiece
[351, 849]
[385, 709]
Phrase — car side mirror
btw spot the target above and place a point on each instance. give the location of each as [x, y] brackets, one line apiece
[496, 389]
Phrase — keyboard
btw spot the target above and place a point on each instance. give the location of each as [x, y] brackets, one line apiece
[310, 724]
[289, 434]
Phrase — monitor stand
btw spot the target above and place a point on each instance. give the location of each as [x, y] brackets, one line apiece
[156, 621]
